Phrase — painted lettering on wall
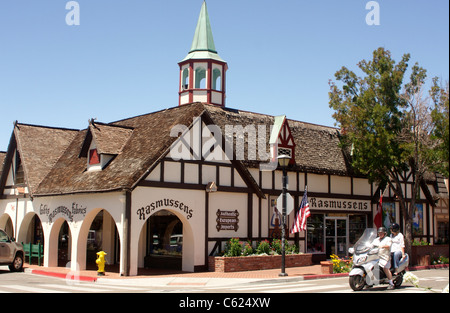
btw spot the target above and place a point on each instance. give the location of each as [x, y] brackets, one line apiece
[145, 212]
[339, 204]
[63, 210]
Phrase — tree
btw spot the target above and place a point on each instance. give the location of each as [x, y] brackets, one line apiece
[387, 124]
[440, 115]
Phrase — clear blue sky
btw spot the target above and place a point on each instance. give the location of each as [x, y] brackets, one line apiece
[121, 61]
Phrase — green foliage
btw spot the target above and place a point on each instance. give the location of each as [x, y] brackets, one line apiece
[276, 246]
[341, 265]
[422, 242]
[247, 249]
[233, 247]
[388, 126]
[440, 116]
[369, 111]
[263, 247]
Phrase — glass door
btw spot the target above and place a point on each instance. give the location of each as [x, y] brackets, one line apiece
[336, 236]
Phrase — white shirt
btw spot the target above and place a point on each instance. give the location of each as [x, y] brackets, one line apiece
[398, 242]
[383, 253]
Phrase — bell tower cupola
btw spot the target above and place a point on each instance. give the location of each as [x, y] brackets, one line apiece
[202, 71]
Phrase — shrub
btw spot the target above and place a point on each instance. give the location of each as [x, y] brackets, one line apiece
[263, 247]
[233, 247]
[276, 246]
[247, 249]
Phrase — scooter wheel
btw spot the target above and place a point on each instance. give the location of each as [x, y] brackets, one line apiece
[398, 280]
[357, 282]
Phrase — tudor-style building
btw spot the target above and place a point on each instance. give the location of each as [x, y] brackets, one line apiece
[169, 188]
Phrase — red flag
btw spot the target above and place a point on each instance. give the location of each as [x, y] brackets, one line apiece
[379, 216]
[302, 215]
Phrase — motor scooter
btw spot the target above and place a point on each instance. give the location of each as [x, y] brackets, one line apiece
[366, 270]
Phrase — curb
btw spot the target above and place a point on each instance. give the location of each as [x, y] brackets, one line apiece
[427, 267]
[68, 276]
[311, 277]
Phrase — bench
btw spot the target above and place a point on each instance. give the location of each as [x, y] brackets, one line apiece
[32, 250]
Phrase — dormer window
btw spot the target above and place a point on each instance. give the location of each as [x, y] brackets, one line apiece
[94, 158]
[103, 142]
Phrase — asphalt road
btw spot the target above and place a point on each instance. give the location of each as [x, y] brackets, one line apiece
[430, 281]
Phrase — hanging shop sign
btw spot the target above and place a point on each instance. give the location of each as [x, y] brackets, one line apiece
[227, 220]
[339, 204]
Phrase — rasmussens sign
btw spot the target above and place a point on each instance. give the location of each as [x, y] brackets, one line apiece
[145, 212]
[339, 204]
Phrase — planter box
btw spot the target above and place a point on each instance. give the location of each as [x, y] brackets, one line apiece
[326, 267]
[254, 263]
[420, 255]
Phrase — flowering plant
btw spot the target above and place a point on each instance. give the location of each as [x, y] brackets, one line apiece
[341, 265]
[235, 247]
[411, 278]
[263, 247]
[445, 290]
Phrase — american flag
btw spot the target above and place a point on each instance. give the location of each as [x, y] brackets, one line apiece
[302, 215]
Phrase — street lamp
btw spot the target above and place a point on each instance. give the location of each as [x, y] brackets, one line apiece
[283, 160]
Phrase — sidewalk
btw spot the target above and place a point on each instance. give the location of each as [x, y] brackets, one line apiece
[299, 273]
[160, 277]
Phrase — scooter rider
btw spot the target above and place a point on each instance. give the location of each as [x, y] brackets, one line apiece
[384, 252]
[398, 246]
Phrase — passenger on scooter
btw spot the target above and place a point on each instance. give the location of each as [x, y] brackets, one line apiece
[384, 252]
[398, 246]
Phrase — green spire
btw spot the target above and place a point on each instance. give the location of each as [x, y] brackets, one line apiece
[203, 44]
[203, 38]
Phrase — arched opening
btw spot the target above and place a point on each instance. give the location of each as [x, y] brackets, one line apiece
[185, 79]
[200, 78]
[6, 225]
[64, 244]
[217, 80]
[58, 244]
[164, 241]
[31, 230]
[102, 236]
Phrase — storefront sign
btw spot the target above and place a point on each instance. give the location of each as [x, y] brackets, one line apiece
[63, 210]
[227, 220]
[339, 204]
[146, 211]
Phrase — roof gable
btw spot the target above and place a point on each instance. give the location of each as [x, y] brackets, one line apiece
[318, 147]
[39, 148]
[109, 139]
[148, 141]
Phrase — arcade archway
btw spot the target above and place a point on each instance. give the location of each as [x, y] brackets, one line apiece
[166, 242]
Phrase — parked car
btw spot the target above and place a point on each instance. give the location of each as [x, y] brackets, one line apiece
[11, 252]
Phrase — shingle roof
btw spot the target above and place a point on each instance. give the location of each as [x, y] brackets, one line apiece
[110, 139]
[2, 160]
[141, 141]
[40, 148]
[148, 141]
[317, 147]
